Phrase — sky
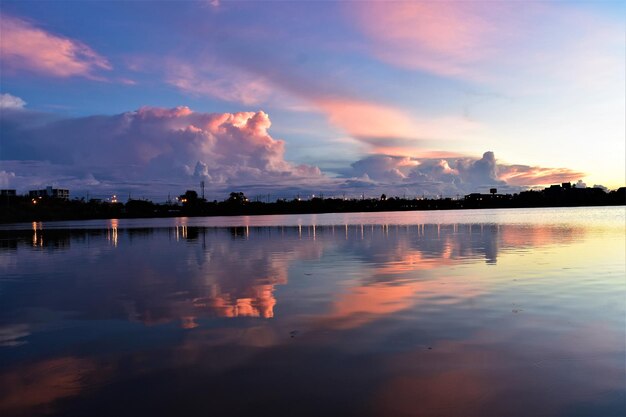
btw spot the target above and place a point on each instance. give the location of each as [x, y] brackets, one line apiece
[311, 97]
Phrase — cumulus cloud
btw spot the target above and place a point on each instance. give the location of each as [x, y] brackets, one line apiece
[449, 175]
[8, 101]
[23, 46]
[483, 171]
[154, 151]
[171, 146]
[383, 168]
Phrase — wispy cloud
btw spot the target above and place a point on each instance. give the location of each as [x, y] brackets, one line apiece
[23, 46]
[377, 127]
[526, 175]
[228, 84]
[529, 43]
[384, 129]
[440, 37]
[363, 119]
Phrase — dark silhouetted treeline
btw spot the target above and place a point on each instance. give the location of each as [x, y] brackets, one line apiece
[22, 208]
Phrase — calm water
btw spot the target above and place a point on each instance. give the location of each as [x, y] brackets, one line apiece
[461, 313]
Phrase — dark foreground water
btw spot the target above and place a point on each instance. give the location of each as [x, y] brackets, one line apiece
[463, 313]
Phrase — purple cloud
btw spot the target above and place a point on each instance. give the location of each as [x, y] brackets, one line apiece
[450, 176]
[154, 151]
[172, 146]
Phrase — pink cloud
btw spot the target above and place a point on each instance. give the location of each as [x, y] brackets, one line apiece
[358, 118]
[388, 130]
[533, 175]
[379, 127]
[26, 47]
[441, 37]
[176, 145]
[363, 119]
[171, 148]
[533, 43]
[231, 145]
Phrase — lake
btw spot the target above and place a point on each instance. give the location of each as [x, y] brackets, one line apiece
[504, 313]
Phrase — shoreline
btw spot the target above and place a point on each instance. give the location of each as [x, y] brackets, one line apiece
[250, 214]
[48, 207]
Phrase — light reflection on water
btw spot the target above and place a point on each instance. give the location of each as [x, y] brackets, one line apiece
[506, 315]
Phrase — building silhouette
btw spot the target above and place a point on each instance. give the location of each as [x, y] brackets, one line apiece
[8, 193]
[50, 192]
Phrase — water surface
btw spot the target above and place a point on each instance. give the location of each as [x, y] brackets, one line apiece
[456, 313]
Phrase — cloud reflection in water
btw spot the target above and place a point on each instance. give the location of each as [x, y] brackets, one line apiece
[425, 319]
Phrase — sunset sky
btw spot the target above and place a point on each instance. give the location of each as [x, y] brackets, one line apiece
[433, 98]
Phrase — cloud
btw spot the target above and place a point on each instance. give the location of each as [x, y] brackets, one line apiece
[164, 147]
[6, 177]
[482, 171]
[26, 47]
[227, 84]
[251, 70]
[440, 37]
[48, 381]
[387, 130]
[8, 101]
[494, 42]
[383, 167]
[154, 151]
[379, 127]
[526, 175]
[363, 119]
[450, 175]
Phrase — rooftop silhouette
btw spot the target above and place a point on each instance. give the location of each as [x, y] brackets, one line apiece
[57, 206]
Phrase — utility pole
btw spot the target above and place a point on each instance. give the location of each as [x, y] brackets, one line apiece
[202, 186]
